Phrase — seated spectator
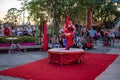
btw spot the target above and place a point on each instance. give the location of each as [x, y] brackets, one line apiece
[86, 45]
[1, 32]
[55, 42]
[19, 31]
[25, 32]
[78, 41]
[7, 31]
[61, 41]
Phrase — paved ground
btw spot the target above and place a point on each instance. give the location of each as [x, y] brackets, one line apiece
[15, 59]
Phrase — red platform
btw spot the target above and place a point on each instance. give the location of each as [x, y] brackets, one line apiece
[62, 56]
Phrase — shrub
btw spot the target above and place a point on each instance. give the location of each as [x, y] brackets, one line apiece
[4, 40]
[21, 39]
[25, 39]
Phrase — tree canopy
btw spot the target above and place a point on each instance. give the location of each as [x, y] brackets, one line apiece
[76, 9]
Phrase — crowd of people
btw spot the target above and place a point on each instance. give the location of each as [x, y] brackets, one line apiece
[85, 39]
[19, 31]
[81, 38]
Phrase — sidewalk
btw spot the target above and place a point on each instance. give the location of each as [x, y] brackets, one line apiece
[113, 71]
[16, 59]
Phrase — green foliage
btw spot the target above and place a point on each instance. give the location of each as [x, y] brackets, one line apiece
[25, 39]
[76, 9]
[22, 39]
[105, 12]
[4, 40]
[57, 10]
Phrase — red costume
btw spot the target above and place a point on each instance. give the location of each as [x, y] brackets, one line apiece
[69, 32]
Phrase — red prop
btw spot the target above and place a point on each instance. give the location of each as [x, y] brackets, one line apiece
[45, 38]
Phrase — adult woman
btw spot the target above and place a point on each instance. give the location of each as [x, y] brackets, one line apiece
[69, 32]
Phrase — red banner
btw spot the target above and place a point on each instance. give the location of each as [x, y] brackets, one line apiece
[45, 38]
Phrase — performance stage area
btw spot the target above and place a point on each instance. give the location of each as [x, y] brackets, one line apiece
[62, 56]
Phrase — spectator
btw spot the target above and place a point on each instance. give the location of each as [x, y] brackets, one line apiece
[1, 31]
[7, 31]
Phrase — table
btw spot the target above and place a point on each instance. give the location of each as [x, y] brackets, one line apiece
[13, 45]
[62, 56]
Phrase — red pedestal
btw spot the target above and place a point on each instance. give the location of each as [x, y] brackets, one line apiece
[62, 56]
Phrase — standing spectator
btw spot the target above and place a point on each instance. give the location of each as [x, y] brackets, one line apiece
[91, 32]
[101, 35]
[96, 36]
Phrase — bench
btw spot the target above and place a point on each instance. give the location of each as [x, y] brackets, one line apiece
[31, 47]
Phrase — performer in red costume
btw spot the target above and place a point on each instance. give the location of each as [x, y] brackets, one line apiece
[69, 30]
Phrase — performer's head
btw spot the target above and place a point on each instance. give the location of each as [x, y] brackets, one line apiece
[70, 21]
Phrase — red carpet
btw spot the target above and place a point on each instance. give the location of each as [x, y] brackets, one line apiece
[92, 66]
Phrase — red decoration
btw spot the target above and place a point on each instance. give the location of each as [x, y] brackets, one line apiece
[45, 38]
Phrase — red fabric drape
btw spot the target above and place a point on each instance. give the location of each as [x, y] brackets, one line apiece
[45, 38]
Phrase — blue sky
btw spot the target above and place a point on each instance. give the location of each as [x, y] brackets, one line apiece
[5, 5]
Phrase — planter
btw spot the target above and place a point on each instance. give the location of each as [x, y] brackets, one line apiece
[27, 44]
[4, 44]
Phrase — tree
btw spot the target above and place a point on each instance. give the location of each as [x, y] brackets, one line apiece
[19, 15]
[23, 8]
[105, 12]
[57, 10]
[36, 11]
[11, 16]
